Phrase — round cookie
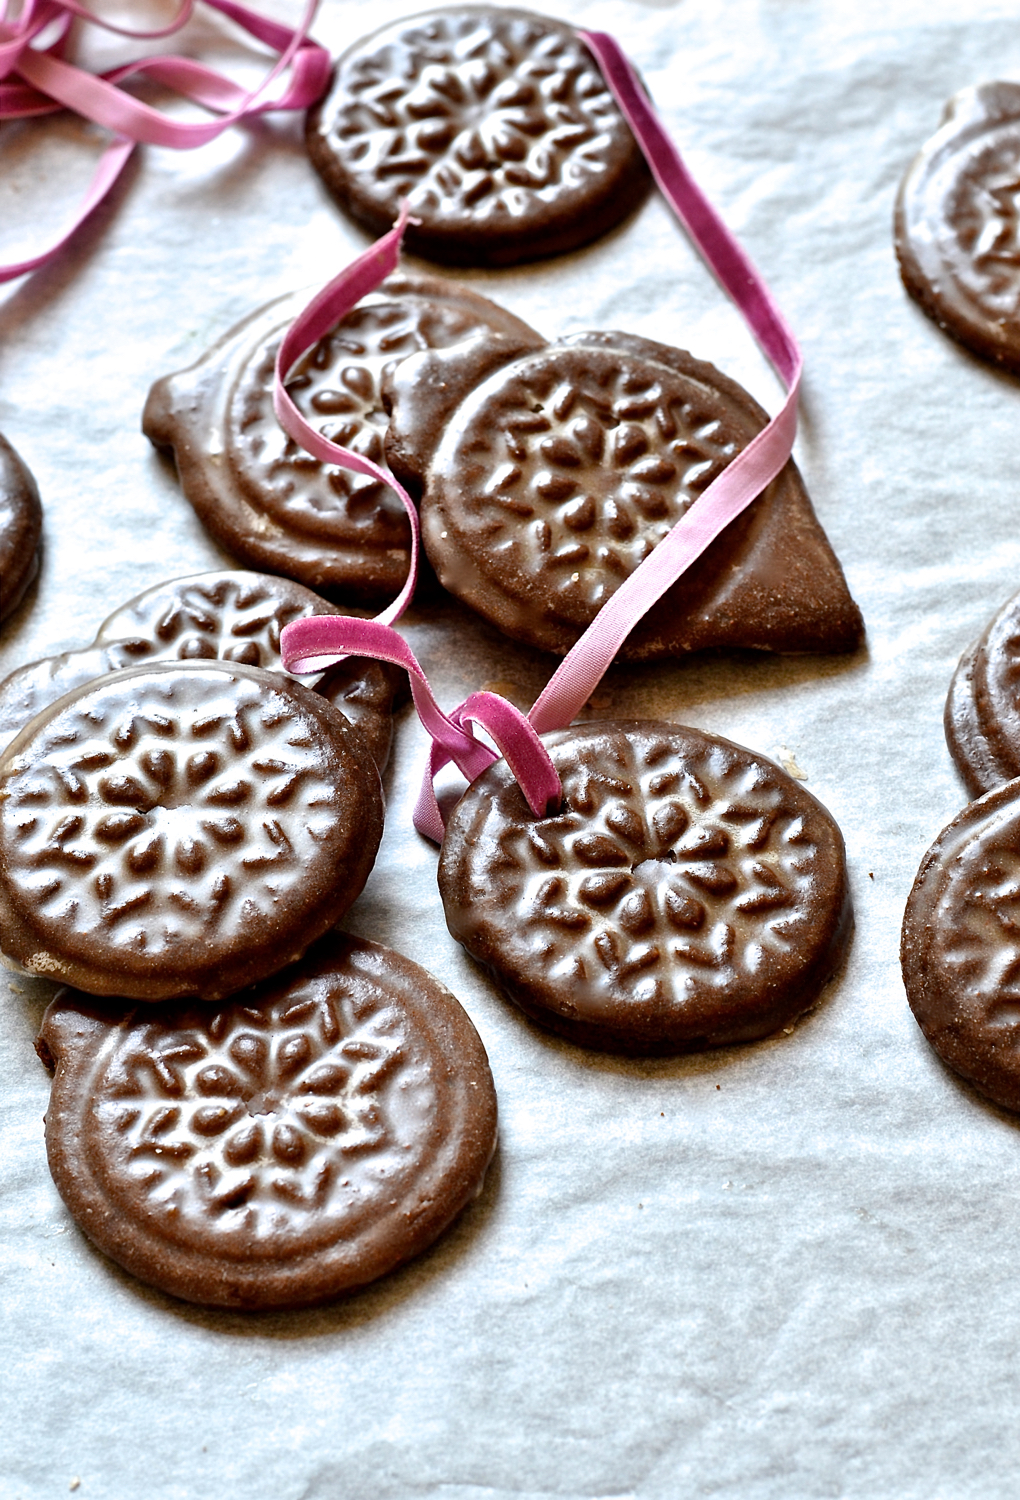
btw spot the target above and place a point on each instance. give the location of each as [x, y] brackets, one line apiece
[549, 474]
[259, 494]
[233, 615]
[20, 529]
[982, 717]
[957, 223]
[960, 948]
[181, 829]
[688, 893]
[277, 1149]
[495, 125]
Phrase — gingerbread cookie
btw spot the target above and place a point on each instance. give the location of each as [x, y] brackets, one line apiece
[494, 124]
[181, 829]
[957, 223]
[960, 948]
[982, 718]
[20, 529]
[259, 494]
[228, 614]
[549, 475]
[687, 893]
[277, 1149]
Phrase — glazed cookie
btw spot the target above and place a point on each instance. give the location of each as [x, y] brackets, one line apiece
[181, 829]
[982, 718]
[20, 529]
[957, 223]
[687, 894]
[277, 1149]
[960, 948]
[549, 475]
[495, 125]
[259, 494]
[230, 614]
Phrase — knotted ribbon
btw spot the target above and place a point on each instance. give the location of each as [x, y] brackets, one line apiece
[39, 80]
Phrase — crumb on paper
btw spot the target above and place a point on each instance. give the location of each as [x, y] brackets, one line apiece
[789, 764]
[75, 1483]
[871, 874]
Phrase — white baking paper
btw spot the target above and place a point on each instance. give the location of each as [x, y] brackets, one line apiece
[785, 1270]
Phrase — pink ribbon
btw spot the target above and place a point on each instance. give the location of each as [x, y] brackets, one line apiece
[311, 643]
[39, 80]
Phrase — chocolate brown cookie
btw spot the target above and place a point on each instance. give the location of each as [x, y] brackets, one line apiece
[496, 126]
[259, 494]
[181, 829]
[550, 474]
[960, 948]
[233, 615]
[982, 718]
[20, 529]
[687, 894]
[957, 223]
[277, 1149]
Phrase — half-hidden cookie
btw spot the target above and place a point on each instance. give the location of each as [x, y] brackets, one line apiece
[687, 894]
[549, 475]
[181, 829]
[277, 1149]
[960, 948]
[956, 223]
[494, 124]
[982, 717]
[230, 614]
[261, 496]
[20, 528]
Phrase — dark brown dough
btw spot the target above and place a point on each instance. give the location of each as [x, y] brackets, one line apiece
[982, 718]
[957, 223]
[960, 948]
[496, 126]
[549, 474]
[687, 894]
[277, 1149]
[181, 829]
[20, 529]
[260, 495]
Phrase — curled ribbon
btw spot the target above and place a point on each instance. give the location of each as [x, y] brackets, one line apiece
[311, 643]
[39, 80]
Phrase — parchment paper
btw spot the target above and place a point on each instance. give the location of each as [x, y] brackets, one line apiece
[782, 1270]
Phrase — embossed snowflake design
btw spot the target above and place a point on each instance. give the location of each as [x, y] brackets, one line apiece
[231, 618]
[263, 1121]
[581, 465]
[151, 827]
[662, 871]
[478, 116]
[985, 217]
[975, 932]
[336, 387]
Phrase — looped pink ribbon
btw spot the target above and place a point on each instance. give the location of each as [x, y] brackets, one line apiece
[312, 643]
[39, 80]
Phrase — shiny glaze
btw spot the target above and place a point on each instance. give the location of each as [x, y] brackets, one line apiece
[181, 829]
[957, 225]
[278, 1148]
[982, 718]
[549, 475]
[261, 495]
[688, 893]
[495, 125]
[960, 948]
